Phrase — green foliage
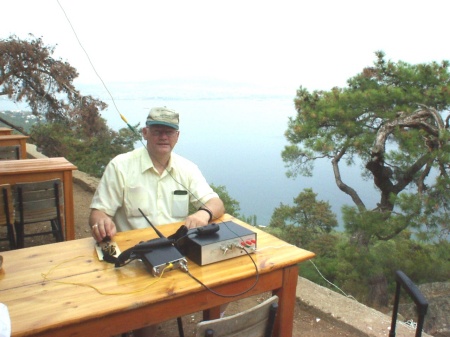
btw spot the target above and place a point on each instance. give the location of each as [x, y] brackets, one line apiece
[326, 248]
[391, 119]
[22, 120]
[231, 205]
[251, 219]
[305, 221]
[422, 262]
[90, 155]
[308, 224]
[28, 72]
[428, 214]
[70, 124]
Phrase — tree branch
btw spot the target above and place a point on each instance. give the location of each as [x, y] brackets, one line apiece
[342, 186]
[420, 119]
[18, 128]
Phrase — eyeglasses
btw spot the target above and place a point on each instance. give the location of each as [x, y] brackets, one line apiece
[159, 133]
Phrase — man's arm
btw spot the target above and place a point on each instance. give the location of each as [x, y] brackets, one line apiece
[101, 225]
[202, 217]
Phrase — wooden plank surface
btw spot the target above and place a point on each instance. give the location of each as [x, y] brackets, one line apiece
[5, 131]
[5, 138]
[70, 296]
[39, 165]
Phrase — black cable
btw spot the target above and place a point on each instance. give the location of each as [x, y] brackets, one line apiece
[229, 295]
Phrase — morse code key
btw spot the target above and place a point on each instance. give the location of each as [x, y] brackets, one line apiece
[208, 229]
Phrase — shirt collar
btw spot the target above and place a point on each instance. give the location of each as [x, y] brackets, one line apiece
[147, 163]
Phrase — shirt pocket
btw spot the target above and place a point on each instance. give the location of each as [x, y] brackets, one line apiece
[180, 204]
[137, 197]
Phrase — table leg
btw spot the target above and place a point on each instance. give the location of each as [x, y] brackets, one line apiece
[284, 323]
[69, 216]
[211, 313]
[23, 148]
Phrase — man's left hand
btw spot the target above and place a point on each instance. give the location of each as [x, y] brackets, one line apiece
[197, 219]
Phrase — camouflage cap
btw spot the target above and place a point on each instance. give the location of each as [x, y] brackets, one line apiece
[163, 116]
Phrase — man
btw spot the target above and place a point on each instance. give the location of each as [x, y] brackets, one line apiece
[156, 181]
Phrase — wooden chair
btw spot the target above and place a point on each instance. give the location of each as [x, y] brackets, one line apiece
[7, 214]
[254, 322]
[37, 202]
[10, 152]
[405, 282]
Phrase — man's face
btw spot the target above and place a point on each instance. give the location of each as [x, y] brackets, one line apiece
[160, 139]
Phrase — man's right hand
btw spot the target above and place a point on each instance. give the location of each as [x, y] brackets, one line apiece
[102, 225]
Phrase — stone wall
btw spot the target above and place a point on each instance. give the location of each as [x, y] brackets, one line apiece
[347, 312]
[437, 320]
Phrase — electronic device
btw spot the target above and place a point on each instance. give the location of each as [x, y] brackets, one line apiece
[165, 257]
[232, 240]
[159, 254]
[107, 247]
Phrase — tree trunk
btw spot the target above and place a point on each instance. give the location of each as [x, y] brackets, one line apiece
[378, 292]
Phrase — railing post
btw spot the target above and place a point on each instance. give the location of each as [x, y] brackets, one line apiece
[414, 293]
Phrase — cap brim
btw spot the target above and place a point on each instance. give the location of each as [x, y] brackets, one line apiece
[170, 125]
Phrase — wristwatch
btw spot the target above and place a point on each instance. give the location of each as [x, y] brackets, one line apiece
[207, 211]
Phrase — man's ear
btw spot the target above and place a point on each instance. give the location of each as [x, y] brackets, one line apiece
[145, 132]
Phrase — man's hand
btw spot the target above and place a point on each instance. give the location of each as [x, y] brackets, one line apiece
[202, 217]
[197, 219]
[102, 225]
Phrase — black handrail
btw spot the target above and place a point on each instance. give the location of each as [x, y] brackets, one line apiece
[418, 298]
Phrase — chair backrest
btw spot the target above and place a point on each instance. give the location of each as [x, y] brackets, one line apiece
[7, 206]
[38, 201]
[254, 322]
[7, 214]
[10, 152]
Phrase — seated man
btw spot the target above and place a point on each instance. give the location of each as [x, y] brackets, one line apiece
[155, 180]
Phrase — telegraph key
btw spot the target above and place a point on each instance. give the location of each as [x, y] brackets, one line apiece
[232, 240]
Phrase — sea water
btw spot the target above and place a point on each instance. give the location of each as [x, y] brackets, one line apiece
[237, 142]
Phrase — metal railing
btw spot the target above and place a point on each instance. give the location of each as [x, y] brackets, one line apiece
[418, 298]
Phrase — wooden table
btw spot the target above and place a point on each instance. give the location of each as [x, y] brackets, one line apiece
[5, 131]
[68, 305]
[26, 170]
[11, 140]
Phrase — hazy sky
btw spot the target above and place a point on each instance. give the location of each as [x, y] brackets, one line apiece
[317, 43]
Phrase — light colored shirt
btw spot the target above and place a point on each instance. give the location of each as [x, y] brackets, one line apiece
[131, 182]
